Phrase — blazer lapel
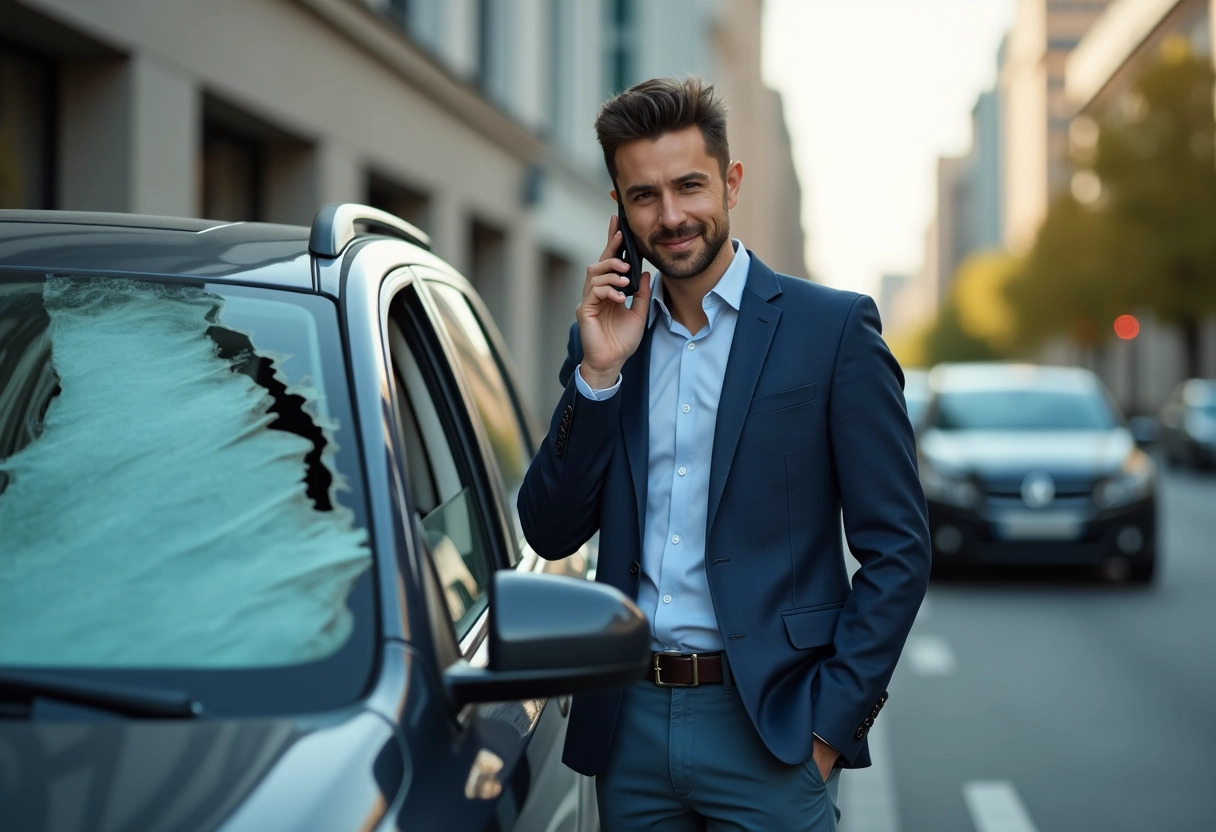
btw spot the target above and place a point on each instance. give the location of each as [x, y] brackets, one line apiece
[753, 335]
[635, 422]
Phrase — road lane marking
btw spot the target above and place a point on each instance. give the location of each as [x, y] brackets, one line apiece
[996, 807]
[929, 656]
[867, 795]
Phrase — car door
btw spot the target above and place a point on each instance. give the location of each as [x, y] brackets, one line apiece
[475, 348]
[465, 444]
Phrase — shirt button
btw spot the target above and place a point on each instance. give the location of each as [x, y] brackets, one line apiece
[666, 599]
[682, 471]
[686, 408]
[675, 538]
[692, 345]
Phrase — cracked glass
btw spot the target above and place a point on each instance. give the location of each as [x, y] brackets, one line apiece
[179, 487]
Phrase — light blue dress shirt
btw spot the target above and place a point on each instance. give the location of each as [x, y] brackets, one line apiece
[686, 371]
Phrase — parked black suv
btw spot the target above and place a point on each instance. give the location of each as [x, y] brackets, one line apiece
[259, 561]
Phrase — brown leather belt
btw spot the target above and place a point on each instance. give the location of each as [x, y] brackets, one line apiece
[679, 670]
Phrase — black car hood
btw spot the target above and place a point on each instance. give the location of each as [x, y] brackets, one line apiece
[1002, 452]
[252, 774]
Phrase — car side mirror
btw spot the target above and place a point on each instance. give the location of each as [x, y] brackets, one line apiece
[551, 635]
[1144, 429]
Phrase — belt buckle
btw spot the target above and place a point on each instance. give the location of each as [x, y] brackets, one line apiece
[658, 674]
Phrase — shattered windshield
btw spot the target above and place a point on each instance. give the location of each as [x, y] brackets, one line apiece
[178, 482]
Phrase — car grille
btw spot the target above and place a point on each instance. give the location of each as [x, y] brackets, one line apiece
[1070, 488]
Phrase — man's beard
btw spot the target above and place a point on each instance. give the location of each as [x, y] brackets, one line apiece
[687, 264]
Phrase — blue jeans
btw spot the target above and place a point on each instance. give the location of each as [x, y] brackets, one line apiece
[685, 759]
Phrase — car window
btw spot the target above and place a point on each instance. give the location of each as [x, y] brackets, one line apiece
[496, 401]
[1022, 410]
[1200, 396]
[178, 483]
[916, 394]
[446, 501]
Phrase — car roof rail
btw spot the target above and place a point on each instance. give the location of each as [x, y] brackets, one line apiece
[333, 227]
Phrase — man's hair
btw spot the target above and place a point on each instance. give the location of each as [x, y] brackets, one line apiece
[662, 105]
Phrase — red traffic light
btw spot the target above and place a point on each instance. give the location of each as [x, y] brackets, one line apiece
[1127, 327]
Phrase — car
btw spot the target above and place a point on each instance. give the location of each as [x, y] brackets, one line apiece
[1187, 424]
[916, 393]
[1026, 464]
[260, 566]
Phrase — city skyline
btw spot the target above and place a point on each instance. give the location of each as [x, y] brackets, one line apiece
[867, 134]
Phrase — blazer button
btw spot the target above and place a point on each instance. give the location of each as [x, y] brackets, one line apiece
[861, 733]
[633, 568]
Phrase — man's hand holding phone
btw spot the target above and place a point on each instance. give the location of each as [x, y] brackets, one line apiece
[610, 330]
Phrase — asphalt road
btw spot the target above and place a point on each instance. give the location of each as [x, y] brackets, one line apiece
[1057, 702]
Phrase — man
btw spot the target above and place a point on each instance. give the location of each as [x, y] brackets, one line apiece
[712, 432]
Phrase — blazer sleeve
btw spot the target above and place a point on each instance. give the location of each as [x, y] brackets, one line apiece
[560, 498]
[886, 527]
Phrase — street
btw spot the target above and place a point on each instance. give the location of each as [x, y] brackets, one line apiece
[1047, 702]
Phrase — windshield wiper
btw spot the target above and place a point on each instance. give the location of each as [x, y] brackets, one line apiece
[121, 699]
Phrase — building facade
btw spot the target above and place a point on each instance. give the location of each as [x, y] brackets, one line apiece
[982, 224]
[1037, 110]
[472, 119]
[1143, 371]
[966, 219]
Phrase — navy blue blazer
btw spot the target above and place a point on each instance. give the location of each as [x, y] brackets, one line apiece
[811, 422]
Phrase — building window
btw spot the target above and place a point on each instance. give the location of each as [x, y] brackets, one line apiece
[252, 169]
[232, 175]
[485, 41]
[420, 20]
[560, 288]
[488, 271]
[561, 68]
[396, 12]
[409, 204]
[27, 130]
[620, 41]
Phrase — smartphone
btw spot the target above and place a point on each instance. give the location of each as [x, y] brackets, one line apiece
[629, 252]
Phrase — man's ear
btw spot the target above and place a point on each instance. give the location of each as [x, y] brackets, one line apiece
[612, 194]
[734, 179]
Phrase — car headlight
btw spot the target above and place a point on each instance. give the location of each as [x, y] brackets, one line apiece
[1133, 481]
[951, 489]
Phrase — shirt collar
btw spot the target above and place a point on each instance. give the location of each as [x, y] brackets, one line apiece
[729, 287]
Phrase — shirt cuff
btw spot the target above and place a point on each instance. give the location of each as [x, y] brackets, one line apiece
[594, 395]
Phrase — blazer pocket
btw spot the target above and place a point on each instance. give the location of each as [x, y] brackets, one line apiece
[812, 626]
[784, 399]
